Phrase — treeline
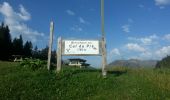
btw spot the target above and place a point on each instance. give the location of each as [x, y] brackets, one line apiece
[164, 63]
[10, 48]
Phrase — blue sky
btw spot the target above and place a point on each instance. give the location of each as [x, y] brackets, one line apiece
[134, 28]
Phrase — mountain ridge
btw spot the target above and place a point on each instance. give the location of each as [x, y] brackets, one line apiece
[134, 63]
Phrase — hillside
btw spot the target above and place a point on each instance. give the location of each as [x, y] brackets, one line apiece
[134, 63]
[18, 83]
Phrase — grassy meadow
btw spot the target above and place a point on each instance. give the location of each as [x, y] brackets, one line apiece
[19, 83]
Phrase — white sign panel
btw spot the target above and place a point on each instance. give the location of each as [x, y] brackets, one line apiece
[81, 47]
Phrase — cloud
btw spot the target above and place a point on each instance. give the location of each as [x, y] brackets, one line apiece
[76, 28]
[24, 14]
[148, 40]
[164, 51]
[167, 37]
[70, 12]
[145, 48]
[149, 47]
[115, 51]
[135, 47]
[82, 20]
[145, 40]
[15, 21]
[162, 2]
[146, 55]
[126, 28]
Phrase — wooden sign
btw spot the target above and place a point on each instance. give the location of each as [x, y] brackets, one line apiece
[81, 47]
[84, 47]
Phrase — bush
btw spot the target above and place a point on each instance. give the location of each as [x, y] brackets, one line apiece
[164, 63]
[34, 64]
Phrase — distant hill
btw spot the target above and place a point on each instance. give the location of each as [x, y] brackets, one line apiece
[134, 63]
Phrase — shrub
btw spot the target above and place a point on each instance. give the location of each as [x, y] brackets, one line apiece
[34, 64]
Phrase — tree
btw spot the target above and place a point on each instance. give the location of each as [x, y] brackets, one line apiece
[36, 48]
[18, 46]
[44, 53]
[164, 63]
[36, 53]
[27, 50]
[5, 42]
[53, 56]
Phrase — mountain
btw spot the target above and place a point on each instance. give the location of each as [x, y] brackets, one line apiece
[134, 63]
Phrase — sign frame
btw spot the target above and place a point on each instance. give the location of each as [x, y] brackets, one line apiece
[63, 47]
[60, 51]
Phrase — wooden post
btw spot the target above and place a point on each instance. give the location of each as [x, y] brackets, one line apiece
[104, 63]
[59, 53]
[50, 44]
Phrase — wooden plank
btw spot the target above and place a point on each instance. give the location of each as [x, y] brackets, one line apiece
[50, 44]
[59, 56]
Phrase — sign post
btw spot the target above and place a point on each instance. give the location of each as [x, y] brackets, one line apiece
[104, 63]
[59, 54]
[50, 44]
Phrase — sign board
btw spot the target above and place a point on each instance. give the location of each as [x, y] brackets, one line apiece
[81, 47]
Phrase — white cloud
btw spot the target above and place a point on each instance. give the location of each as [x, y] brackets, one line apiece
[164, 51]
[15, 21]
[135, 47]
[82, 20]
[24, 14]
[146, 55]
[167, 37]
[162, 2]
[149, 40]
[126, 28]
[149, 47]
[76, 28]
[70, 12]
[145, 40]
[115, 51]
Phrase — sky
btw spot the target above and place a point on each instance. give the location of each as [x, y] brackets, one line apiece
[135, 29]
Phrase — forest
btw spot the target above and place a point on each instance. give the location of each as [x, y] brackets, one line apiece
[17, 46]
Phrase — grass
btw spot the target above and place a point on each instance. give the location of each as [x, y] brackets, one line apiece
[17, 83]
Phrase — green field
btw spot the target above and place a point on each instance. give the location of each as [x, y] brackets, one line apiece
[18, 83]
